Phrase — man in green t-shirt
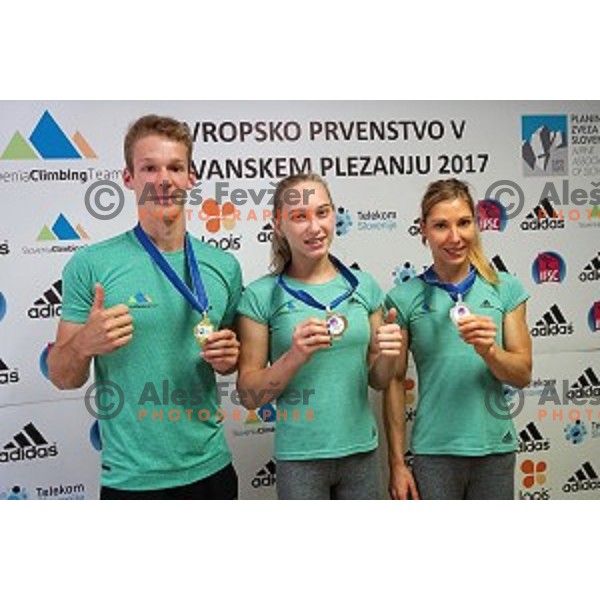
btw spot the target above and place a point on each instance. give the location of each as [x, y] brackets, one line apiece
[134, 304]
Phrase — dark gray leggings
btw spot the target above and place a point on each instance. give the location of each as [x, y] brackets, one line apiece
[490, 477]
[354, 477]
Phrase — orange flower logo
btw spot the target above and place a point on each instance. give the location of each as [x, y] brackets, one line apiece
[218, 215]
[534, 473]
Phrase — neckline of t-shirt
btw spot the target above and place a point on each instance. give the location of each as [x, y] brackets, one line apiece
[304, 284]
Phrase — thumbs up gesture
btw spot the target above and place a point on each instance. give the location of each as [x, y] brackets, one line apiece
[107, 329]
[388, 338]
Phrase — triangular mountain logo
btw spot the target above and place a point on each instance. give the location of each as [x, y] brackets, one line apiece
[62, 230]
[49, 142]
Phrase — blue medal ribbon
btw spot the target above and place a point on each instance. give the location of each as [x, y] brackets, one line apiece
[455, 290]
[307, 298]
[198, 298]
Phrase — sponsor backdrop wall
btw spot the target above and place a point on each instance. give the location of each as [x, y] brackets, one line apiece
[535, 170]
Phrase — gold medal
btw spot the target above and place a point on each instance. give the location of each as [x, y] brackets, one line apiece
[336, 324]
[203, 330]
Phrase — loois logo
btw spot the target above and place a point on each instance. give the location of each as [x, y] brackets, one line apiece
[491, 215]
[548, 267]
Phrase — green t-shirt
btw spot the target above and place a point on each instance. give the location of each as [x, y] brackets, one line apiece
[330, 392]
[156, 450]
[452, 418]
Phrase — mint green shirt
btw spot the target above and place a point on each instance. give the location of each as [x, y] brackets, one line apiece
[142, 452]
[452, 418]
[334, 382]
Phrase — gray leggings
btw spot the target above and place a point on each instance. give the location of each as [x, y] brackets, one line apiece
[490, 477]
[354, 477]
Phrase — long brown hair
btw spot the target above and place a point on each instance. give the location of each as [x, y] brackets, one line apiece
[450, 189]
[280, 249]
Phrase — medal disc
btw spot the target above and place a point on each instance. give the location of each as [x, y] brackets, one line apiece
[203, 330]
[458, 311]
[336, 324]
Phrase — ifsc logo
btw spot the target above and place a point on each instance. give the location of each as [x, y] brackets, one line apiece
[548, 267]
[47, 141]
[491, 215]
[594, 317]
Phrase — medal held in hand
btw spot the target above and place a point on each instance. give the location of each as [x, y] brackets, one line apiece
[459, 310]
[336, 322]
[203, 330]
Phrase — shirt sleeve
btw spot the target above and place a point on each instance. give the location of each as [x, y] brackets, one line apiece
[255, 302]
[78, 288]
[393, 299]
[235, 293]
[512, 292]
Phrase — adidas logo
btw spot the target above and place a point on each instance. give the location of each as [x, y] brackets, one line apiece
[497, 263]
[49, 304]
[582, 480]
[531, 440]
[591, 272]
[266, 476]
[265, 235]
[415, 228]
[28, 444]
[8, 375]
[543, 216]
[552, 322]
[586, 386]
[485, 304]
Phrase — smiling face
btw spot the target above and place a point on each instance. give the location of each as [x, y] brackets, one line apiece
[307, 221]
[160, 176]
[449, 229]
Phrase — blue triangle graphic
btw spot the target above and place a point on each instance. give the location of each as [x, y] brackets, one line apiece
[50, 141]
[140, 298]
[63, 229]
[267, 413]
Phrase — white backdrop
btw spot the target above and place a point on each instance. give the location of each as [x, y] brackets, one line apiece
[378, 158]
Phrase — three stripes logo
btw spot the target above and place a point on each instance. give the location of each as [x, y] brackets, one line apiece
[543, 216]
[497, 263]
[49, 304]
[531, 440]
[266, 476]
[47, 141]
[552, 323]
[591, 272]
[584, 479]
[28, 444]
[8, 375]
[586, 386]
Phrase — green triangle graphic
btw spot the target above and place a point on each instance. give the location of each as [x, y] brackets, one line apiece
[18, 149]
[45, 235]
